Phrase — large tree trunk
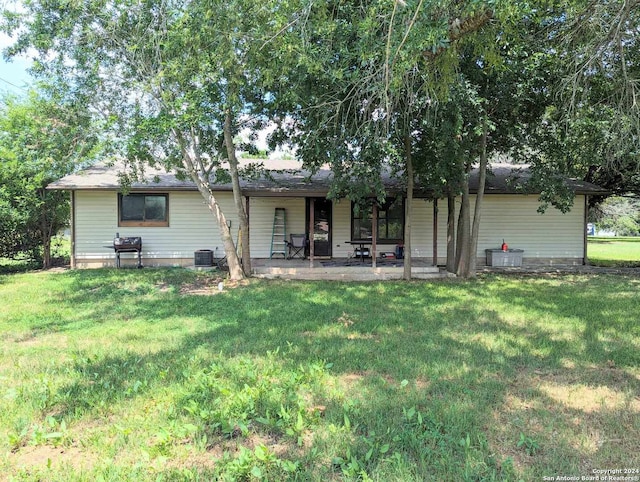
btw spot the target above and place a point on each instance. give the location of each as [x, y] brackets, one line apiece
[408, 209]
[464, 233]
[200, 177]
[237, 193]
[451, 233]
[202, 183]
[473, 249]
[235, 270]
[467, 242]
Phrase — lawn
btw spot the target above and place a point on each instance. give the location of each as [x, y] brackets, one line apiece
[155, 375]
[614, 251]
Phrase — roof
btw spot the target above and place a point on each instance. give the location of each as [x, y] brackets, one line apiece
[286, 177]
[505, 178]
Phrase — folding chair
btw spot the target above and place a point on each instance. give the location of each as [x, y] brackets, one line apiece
[296, 244]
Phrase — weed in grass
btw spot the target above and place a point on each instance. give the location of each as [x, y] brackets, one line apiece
[257, 464]
[528, 444]
[230, 399]
[18, 438]
[51, 432]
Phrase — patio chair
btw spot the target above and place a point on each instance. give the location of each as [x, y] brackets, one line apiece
[297, 244]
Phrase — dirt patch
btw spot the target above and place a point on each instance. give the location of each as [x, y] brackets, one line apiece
[577, 413]
[275, 444]
[351, 379]
[216, 450]
[589, 399]
[210, 286]
[422, 384]
[45, 455]
[205, 462]
[363, 336]
[345, 320]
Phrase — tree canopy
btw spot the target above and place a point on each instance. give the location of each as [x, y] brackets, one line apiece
[176, 81]
[41, 139]
[425, 89]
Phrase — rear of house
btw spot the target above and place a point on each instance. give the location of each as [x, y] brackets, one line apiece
[174, 223]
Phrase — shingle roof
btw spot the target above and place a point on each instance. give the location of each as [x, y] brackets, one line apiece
[287, 178]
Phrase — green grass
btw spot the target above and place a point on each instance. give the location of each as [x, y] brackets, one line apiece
[130, 375]
[620, 251]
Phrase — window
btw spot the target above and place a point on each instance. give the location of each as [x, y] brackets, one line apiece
[143, 210]
[390, 222]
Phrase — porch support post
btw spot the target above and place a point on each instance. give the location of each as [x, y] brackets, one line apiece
[585, 254]
[312, 208]
[73, 229]
[374, 232]
[246, 210]
[435, 232]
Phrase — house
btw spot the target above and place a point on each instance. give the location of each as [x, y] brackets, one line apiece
[174, 222]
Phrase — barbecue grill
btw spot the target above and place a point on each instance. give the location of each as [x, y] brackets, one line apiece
[131, 244]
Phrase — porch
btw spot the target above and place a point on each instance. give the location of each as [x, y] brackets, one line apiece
[344, 269]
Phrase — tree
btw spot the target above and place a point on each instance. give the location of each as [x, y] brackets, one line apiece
[618, 214]
[177, 80]
[372, 71]
[41, 140]
[599, 43]
[590, 67]
[387, 66]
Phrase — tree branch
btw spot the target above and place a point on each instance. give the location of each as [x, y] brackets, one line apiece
[460, 28]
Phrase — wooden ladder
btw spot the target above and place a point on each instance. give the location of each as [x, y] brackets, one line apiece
[279, 233]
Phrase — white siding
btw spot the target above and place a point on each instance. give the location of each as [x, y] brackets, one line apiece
[341, 229]
[191, 227]
[261, 212]
[513, 218]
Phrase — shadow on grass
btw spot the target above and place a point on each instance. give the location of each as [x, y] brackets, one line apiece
[8, 267]
[471, 366]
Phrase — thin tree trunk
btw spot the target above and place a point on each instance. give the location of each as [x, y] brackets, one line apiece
[473, 250]
[46, 253]
[408, 209]
[374, 232]
[451, 233]
[237, 192]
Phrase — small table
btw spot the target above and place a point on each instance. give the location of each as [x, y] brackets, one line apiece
[361, 245]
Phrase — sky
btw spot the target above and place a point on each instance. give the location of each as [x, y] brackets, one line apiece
[15, 79]
[13, 75]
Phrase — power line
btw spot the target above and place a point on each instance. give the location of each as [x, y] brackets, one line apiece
[13, 85]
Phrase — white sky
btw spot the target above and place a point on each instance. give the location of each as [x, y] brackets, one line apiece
[14, 78]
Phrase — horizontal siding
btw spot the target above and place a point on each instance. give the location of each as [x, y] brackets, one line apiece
[96, 224]
[261, 213]
[513, 218]
[191, 226]
[341, 228]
